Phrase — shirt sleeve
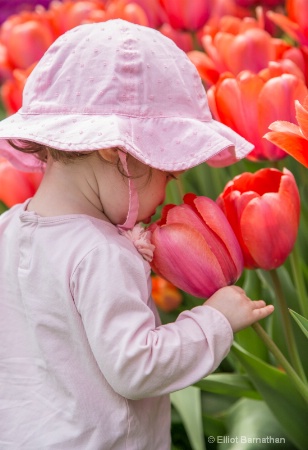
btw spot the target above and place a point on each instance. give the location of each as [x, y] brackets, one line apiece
[137, 358]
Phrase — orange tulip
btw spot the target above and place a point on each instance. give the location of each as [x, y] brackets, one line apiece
[16, 186]
[295, 24]
[263, 209]
[187, 14]
[165, 295]
[291, 138]
[205, 66]
[249, 103]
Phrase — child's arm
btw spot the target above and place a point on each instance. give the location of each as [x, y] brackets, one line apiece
[138, 357]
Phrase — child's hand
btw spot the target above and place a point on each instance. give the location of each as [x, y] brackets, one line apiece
[240, 311]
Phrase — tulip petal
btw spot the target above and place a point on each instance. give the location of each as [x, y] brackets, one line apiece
[233, 205]
[292, 143]
[302, 116]
[277, 217]
[223, 238]
[185, 259]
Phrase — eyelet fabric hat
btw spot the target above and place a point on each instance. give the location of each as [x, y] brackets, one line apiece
[117, 84]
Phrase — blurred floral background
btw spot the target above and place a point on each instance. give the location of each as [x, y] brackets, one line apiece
[253, 59]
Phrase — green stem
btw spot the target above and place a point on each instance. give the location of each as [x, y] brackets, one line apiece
[298, 382]
[299, 281]
[180, 186]
[286, 324]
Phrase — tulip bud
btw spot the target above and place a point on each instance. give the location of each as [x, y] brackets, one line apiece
[195, 247]
[263, 209]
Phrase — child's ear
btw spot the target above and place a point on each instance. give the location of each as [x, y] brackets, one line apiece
[109, 154]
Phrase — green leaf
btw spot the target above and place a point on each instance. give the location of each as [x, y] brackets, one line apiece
[251, 426]
[188, 404]
[280, 395]
[3, 207]
[301, 321]
[235, 385]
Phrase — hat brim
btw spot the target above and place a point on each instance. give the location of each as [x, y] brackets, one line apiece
[179, 144]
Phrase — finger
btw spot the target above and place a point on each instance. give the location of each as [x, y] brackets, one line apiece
[261, 313]
[258, 304]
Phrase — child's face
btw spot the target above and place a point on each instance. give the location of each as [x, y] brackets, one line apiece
[153, 193]
[114, 189]
[151, 188]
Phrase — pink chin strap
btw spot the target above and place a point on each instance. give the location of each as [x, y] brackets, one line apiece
[133, 205]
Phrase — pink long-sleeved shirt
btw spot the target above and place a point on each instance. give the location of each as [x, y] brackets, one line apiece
[85, 363]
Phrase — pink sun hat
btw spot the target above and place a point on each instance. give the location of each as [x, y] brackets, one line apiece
[117, 84]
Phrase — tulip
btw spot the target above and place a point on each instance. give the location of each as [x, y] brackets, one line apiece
[235, 45]
[12, 89]
[165, 295]
[8, 8]
[250, 49]
[293, 139]
[295, 24]
[263, 209]
[195, 247]
[132, 12]
[69, 14]
[187, 14]
[16, 186]
[26, 36]
[249, 103]
[182, 39]
[205, 66]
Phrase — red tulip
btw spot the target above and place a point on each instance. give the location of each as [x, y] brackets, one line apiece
[26, 36]
[187, 14]
[291, 138]
[165, 295]
[249, 103]
[195, 247]
[263, 209]
[11, 90]
[16, 186]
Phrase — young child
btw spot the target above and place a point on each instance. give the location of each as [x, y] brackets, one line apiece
[111, 113]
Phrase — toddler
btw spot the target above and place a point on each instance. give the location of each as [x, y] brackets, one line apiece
[111, 113]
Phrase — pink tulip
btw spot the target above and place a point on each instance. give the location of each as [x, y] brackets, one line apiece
[187, 14]
[263, 209]
[183, 39]
[195, 247]
[16, 186]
